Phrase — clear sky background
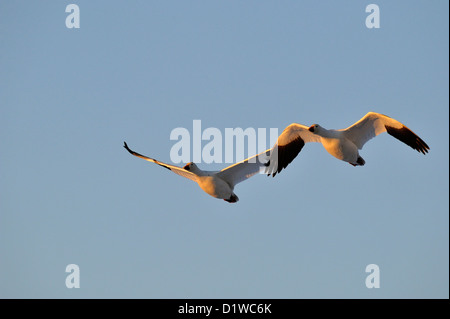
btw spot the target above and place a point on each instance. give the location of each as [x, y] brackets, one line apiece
[136, 70]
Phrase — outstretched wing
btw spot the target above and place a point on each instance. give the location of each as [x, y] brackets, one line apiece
[241, 171]
[287, 147]
[177, 170]
[373, 124]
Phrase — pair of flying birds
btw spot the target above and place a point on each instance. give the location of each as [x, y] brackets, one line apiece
[342, 144]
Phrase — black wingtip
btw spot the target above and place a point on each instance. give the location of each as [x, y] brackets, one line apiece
[125, 145]
[408, 137]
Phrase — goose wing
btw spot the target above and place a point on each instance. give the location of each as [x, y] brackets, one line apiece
[373, 124]
[177, 170]
[245, 169]
[288, 145]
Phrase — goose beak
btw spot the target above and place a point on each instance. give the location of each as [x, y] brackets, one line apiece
[311, 128]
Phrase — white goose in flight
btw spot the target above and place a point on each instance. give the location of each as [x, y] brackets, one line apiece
[342, 144]
[218, 184]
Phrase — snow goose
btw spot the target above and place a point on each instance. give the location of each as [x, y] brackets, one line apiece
[342, 144]
[218, 184]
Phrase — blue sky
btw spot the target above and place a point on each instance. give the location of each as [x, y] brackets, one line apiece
[134, 71]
